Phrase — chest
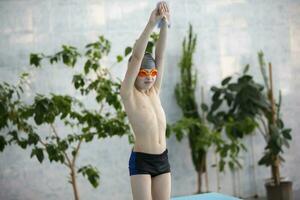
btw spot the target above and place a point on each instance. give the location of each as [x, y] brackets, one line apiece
[145, 107]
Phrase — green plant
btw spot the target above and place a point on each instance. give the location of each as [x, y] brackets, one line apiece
[19, 121]
[151, 44]
[191, 124]
[249, 106]
[272, 126]
[235, 106]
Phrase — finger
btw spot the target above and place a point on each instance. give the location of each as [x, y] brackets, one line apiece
[161, 8]
[158, 11]
[165, 7]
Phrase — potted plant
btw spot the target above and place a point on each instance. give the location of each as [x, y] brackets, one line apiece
[277, 137]
[235, 109]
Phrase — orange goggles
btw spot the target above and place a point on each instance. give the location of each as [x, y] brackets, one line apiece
[145, 73]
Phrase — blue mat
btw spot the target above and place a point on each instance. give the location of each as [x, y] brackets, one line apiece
[207, 196]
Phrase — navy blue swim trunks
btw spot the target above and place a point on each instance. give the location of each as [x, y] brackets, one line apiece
[145, 163]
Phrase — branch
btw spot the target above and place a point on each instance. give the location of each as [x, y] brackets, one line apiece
[76, 151]
[54, 131]
[69, 164]
[43, 143]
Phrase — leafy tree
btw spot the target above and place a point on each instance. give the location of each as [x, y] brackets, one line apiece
[19, 121]
[192, 124]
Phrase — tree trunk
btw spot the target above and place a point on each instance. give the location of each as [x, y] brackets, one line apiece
[275, 166]
[199, 181]
[202, 169]
[74, 183]
[275, 172]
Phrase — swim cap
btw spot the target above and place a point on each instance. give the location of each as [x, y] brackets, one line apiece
[148, 61]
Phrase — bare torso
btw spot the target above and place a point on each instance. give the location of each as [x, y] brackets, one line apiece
[148, 121]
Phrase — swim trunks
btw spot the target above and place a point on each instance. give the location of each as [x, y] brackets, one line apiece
[145, 163]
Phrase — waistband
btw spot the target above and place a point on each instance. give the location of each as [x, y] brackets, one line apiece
[149, 154]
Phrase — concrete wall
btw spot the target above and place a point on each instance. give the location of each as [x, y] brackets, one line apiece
[230, 33]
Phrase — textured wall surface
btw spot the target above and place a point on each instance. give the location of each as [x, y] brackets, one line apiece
[230, 33]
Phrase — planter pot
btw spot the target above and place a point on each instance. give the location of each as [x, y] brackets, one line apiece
[283, 191]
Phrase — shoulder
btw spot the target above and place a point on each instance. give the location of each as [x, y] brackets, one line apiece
[128, 94]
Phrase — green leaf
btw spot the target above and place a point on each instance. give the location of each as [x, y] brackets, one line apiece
[222, 164]
[204, 107]
[38, 152]
[95, 66]
[265, 160]
[131, 139]
[119, 58]
[214, 89]
[243, 147]
[3, 115]
[89, 45]
[149, 47]
[14, 135]
[280, 123]
[216, 95]
[35, 59]
[91, 173]
[101, 38]
[128, 51]
[66, 59]
[234, 87]
[229, 98]
[246, 69]
[53, 153]
[78, 81]
[22, 144]
[286, 133]
[216, 104]
[87, 66]
[24, 75]
[226, 80]
[213, 165]
[88, 137]
[33, 138]
[38, 119]
[3, 143]
[231, 165]
[54, 59]
[63, 145]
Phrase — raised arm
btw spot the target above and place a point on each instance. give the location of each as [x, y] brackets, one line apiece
[138, 54]
[161, 45]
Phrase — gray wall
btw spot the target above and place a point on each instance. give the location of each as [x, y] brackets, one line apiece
[230, 33]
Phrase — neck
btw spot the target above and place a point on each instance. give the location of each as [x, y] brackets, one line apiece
[145, 91]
